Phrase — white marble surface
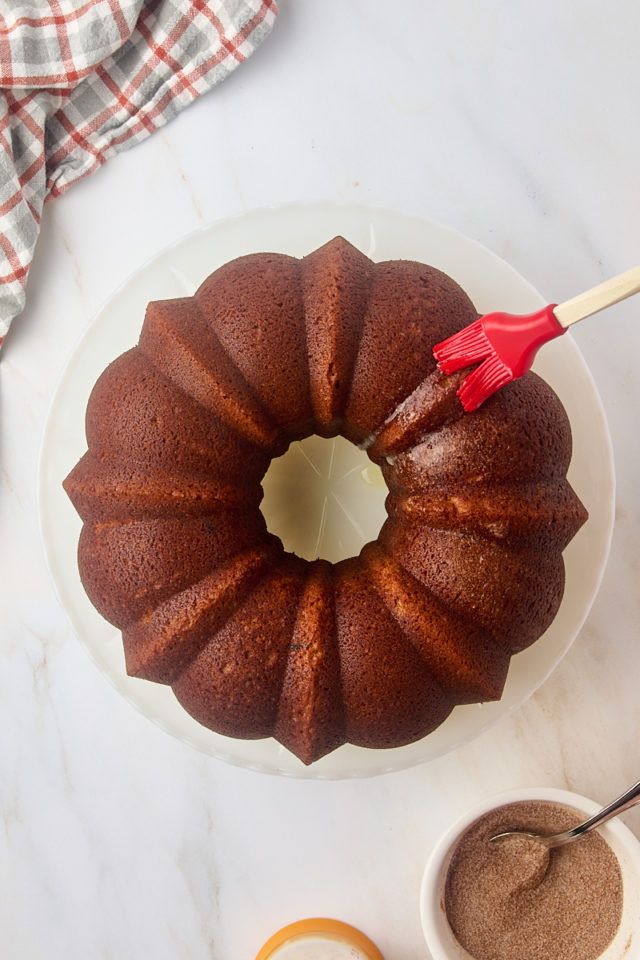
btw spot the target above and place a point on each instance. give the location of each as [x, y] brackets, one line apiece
[515, 124]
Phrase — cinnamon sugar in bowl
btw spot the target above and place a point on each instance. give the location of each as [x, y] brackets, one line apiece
[547, 910]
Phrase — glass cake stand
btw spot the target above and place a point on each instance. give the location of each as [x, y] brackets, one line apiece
[349, 493]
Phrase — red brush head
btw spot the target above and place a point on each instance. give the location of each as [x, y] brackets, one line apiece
[505, 343]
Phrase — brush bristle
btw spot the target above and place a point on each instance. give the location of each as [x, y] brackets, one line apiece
[478, 386]
[463, 348]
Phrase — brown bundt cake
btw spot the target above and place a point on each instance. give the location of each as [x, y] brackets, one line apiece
[256, 642]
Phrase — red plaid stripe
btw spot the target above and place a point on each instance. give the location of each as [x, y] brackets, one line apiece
[159, 50]
[63, 81]
[44, 21]
[18, 270]
[228, 45]
[118, 19]
[69, 69]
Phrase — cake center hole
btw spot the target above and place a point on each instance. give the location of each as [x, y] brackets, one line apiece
[324, 499]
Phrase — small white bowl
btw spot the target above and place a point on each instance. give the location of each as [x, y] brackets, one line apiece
[438, 934]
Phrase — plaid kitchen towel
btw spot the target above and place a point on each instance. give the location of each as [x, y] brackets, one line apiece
[80, 81]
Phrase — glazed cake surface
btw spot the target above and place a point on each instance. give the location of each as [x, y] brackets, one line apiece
[255, 642]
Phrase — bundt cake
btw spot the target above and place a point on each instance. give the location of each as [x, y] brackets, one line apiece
[256, 642]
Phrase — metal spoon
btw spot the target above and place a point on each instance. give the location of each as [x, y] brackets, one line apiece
[628, 799]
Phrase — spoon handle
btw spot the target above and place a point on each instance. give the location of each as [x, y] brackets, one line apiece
[626, 800]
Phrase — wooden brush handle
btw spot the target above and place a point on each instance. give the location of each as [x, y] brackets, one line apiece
[604, 295]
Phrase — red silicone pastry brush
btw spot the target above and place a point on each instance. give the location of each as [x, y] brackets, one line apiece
[506, 344]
